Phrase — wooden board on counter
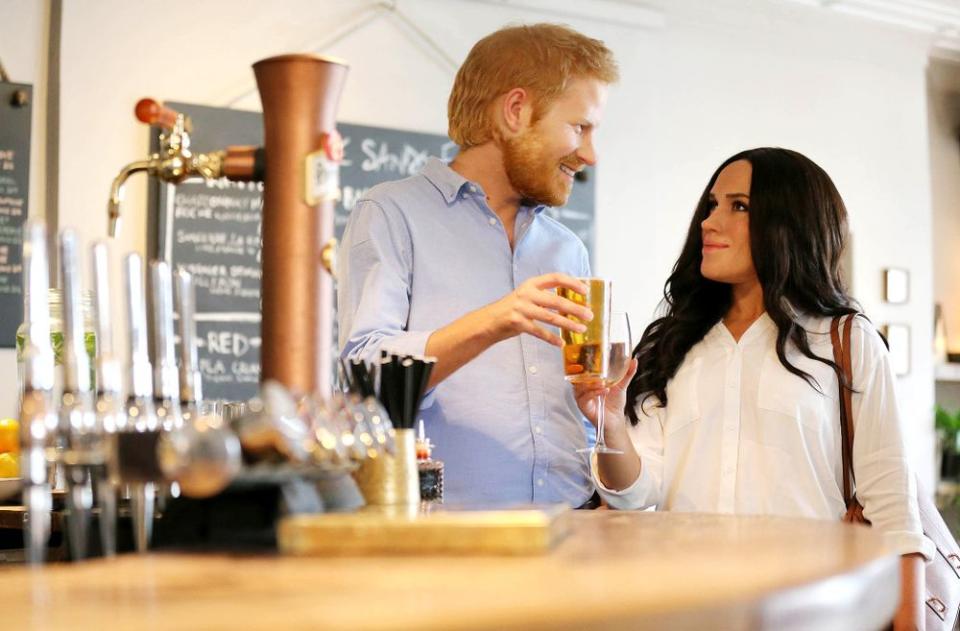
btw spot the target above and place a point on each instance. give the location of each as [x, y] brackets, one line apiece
[622, 570]
[397, 530]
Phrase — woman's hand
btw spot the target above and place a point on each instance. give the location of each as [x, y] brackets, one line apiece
[616, 399]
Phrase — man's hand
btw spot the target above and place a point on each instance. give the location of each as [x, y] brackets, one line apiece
[523, 310]
[534, 303]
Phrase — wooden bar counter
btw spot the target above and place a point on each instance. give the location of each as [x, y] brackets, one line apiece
[619, 570]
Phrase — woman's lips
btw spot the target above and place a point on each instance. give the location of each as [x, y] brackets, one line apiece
[713, 247]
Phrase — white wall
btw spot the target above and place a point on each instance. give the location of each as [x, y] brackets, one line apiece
[23, 51]
[944, 106]
[719, 77]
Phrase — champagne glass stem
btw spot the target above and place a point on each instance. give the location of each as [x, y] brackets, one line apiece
[601, 443]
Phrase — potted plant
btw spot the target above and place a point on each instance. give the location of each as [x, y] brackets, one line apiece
[948, 434]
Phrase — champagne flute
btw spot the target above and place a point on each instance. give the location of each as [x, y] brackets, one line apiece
[619, 348]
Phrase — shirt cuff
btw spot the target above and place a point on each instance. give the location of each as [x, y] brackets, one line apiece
[407, 343]
[906, 542]
[634, 497]
[411, 343]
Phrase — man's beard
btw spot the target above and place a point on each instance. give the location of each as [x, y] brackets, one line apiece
[535, 176]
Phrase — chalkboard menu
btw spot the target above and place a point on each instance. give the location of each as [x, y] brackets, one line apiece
[212, 229]
[15, 109]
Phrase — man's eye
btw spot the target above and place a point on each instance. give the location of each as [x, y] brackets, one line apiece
[578, 128]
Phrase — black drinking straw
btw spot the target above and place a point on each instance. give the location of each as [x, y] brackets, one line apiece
[426, 368]
[345, 376]
[410, 388]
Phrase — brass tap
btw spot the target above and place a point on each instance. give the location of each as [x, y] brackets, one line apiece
[174, 163]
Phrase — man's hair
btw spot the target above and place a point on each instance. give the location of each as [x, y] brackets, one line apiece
[540, 58]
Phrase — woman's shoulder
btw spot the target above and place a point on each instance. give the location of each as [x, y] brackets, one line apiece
[864, 336]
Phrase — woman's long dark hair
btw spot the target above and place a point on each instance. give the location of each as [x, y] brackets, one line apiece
[798, 225]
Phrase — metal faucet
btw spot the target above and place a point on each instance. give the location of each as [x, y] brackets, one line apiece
[83, 454]
[37, 410]
[109, 402]
[175, 162]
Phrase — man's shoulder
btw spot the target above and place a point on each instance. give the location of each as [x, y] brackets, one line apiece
[396, 193]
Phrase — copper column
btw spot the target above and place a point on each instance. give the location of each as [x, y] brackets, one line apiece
[300, 94]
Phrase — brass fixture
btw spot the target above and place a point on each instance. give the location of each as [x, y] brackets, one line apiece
[175, 162]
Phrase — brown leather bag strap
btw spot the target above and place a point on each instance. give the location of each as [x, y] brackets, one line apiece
[842, 357]
[844, 442]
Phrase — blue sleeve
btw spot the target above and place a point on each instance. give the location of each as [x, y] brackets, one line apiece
[375, 265]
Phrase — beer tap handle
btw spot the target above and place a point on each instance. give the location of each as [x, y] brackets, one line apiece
[166, 386]
[37, 351]
[76, 362]
[154, 113]
[141, 385]
[191, 387]
[109, 378]
[36, 409]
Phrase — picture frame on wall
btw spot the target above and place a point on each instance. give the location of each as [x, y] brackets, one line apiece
[898, 337]
[896, 285]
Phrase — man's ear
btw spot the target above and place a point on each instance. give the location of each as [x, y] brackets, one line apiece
[516, 111]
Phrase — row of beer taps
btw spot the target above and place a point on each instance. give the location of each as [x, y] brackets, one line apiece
[137, 430]
[94, 438]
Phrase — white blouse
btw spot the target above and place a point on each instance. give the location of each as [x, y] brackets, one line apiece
[740, 434]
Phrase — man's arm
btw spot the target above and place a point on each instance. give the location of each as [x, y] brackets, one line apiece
[373, 287]
[523, 310]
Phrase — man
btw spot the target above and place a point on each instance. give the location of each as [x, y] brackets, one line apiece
[460, 263]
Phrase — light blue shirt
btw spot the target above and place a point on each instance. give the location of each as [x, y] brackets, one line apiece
[418, 254]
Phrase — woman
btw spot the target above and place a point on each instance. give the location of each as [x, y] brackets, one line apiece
[732, 393]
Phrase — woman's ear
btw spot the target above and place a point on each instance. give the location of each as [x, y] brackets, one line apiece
[516, 111]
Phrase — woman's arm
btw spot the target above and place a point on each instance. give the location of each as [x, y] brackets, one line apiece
[910, 613]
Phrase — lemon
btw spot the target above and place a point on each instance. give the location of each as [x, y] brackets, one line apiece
[9, 435]
[9, 465]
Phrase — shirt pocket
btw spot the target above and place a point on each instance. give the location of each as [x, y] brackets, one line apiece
[683, 401]
[809, 404]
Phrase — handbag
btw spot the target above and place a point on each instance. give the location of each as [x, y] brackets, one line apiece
[942, 575]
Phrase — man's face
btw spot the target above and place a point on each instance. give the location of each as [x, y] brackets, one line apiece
[542, 159]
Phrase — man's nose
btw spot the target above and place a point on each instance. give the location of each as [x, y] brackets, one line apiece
[587, 153]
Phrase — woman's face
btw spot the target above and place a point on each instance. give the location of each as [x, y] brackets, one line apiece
[726, 230]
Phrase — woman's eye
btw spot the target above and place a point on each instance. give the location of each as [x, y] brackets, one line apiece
[711, 205]
[740, 206]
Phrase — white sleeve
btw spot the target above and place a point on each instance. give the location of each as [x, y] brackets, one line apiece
[885, 485]
[647, 439]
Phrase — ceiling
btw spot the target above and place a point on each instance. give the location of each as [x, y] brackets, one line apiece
[938, 18]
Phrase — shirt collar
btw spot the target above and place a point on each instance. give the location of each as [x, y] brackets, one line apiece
[757, 331]
[453, 186]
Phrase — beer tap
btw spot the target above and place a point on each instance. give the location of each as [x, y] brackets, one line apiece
[82, 456]
[136, 458]
[203, 455]
[175, 162]
[37, 413]
[191, 385]
[166, 385]
[109, 401]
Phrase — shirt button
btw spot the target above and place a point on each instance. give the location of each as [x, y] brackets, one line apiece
[492, 221]
[533, 370]
[538, 429]
[539, 481]
[473, 189]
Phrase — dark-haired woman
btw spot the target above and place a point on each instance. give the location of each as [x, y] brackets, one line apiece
[732, 393]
